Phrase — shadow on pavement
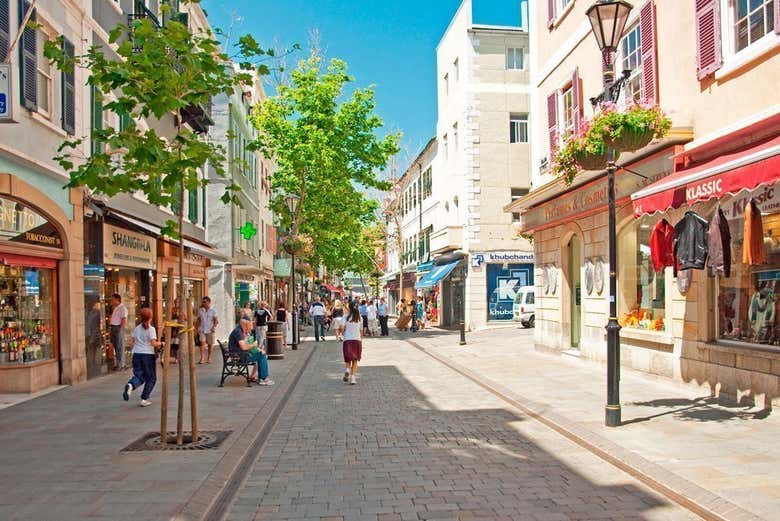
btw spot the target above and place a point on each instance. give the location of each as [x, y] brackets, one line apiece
[703, 409]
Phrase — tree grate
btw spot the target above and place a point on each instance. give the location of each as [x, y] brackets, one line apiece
[151, 441]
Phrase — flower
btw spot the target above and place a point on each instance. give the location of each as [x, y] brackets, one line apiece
[297, 244]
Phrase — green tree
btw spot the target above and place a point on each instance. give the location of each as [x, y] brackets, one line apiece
[327, 151]
[157, 72]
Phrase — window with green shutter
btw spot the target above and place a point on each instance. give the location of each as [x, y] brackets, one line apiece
[192, 205]
[68, 92]
[96, 98]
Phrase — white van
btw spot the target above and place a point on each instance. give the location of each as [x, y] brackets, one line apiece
[524, 309]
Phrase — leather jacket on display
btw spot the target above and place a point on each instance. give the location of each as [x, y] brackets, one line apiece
[691, 242]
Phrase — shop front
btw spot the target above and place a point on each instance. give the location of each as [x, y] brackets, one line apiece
[121, 260]
[195, 273]
[724, 312]
[38, 254]
[505, 273]
[246, 287]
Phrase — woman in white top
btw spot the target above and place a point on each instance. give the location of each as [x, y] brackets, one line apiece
[371, 315]
[353, 344]
[144, 343]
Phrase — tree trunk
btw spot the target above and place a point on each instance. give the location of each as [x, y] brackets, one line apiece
[182, 300]
[166, 361]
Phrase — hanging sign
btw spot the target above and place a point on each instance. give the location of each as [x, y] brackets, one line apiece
[5, 93]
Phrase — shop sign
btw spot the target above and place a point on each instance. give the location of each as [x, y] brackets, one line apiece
[503, 285]
[767, 198]
[21, 224]
[593, 195]
[244, 277]
[503, 257]
[193, 258]
[123, 247]
[282, 267]
[5, 92]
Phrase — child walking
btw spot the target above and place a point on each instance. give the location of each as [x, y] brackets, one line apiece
[144, 342]
[353, 342]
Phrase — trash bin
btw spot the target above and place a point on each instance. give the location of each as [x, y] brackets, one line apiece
[274, 339]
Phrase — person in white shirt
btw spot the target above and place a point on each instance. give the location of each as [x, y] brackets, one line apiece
[144, 342]
[371, 315]
[353, 342]
[207, 325]
[317, 314]
[117, 331]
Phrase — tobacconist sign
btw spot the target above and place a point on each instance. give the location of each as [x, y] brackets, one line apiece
[123, 247]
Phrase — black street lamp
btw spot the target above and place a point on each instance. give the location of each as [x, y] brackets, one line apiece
[292, 201]
[608, 20]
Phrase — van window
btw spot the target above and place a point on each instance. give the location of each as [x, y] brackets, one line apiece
[530, 299]
[519, 297]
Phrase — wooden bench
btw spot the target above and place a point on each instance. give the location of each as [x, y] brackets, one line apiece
[234, 365]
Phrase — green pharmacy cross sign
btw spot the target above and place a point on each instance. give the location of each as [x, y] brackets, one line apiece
[248, 230]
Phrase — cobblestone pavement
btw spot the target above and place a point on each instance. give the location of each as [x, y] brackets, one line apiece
[415, 440]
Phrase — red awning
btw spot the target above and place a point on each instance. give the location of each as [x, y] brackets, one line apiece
[28, 261]
[333, 289]
[727, 174]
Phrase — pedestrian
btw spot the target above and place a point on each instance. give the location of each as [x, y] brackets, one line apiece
[118, 324]
[421, 313]
[262, 316]
[363, 309]
[249, 351]
[177, 315]
[338, 319]
[371, 315]
[353, 342]
[144, 342]
[317, 313]
[207, 326]
[281, 316]
[246, 311]
[412, 307]
[381, 311]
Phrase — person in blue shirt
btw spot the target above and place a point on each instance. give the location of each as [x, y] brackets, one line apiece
[420, 313]
[364, 315]
[239, 343]
[381, 311]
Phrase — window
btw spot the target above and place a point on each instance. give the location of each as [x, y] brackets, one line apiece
[427, 184]
[515, 58]
[43, 76]
[642, 296]
[192, 205]
[515, 194]
[753, 19]
[567, 111]
[749, 299]
[518, 128]
[631, 60]
[456, 69]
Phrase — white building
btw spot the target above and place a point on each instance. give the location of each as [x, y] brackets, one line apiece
[482, 163]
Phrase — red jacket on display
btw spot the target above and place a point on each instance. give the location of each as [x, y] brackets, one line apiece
[662, 245]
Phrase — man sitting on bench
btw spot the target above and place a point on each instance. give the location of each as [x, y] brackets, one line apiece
[238, 344]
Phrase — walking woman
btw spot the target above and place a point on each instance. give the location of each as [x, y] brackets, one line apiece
[353, 342]
[144, 342]
[337, 315]
[282, 316]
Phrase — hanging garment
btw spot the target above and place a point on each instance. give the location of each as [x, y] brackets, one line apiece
[719, 241]
[753, 251]
[662, 245]
[690, 242]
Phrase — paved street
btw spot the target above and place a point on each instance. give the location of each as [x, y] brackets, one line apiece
[415, 440]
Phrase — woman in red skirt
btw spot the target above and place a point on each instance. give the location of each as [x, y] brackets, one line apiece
[353, 342]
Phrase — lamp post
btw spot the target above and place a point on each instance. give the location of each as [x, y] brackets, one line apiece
[292, 201]
[608, 20]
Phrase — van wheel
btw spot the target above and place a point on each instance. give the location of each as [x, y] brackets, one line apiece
[532, 322]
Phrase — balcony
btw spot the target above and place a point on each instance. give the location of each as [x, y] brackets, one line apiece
[447, 239]
[198, 117]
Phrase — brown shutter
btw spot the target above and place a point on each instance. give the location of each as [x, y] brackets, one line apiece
[552, 120]
[577, 108]
[550, 13]
[5, 29]
[28, 60]
[68, 92]
[708, 38]
[647, 24]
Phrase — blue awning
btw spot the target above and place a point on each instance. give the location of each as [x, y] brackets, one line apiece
[436, 274]
[424, 267]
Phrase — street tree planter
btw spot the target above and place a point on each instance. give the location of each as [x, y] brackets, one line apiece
[623, 131]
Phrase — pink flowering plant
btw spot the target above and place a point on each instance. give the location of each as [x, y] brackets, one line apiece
[297, 244]
[624, 130]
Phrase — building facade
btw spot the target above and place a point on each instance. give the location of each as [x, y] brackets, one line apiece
[482, 161]
[709, 65]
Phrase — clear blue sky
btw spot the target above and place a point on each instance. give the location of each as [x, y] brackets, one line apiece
[388, 43]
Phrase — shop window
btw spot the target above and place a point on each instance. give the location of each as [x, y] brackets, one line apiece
[642, 290]
[26, 306]
[748, 302]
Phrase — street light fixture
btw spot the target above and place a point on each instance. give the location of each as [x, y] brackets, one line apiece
[292, 202]
[608, 21]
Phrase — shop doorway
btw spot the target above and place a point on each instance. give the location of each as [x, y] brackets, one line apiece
[575, 293]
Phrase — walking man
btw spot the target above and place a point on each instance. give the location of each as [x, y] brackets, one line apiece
[381, 311]
[207, 325]
[262, 316]
[317, 313]
[118, 323]
[363, 309]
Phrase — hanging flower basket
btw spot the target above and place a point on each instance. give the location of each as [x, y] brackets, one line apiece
[299, 244]
[623, 131]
